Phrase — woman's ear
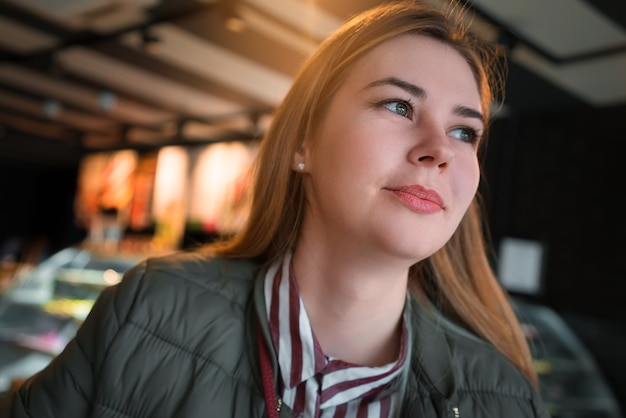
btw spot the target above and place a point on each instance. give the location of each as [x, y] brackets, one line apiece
[299, 163]
[300, 158]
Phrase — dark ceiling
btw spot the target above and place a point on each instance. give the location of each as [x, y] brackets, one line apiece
[107, 74]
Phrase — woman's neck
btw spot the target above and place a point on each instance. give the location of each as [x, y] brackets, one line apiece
[355, 307]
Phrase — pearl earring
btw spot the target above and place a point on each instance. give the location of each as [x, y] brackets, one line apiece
[300, 166]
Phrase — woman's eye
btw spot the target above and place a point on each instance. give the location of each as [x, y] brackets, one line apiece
[401, 108]
[468, 135]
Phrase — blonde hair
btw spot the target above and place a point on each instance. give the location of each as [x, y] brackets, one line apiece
[458, 278]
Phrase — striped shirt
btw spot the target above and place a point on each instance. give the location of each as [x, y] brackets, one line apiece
[314, 385]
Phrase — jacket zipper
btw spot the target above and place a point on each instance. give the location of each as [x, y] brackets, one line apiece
[279, 404]
[455, 412]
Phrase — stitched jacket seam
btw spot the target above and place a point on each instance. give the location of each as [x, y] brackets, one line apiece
[495, 393]
[194, 354]
[117, 411]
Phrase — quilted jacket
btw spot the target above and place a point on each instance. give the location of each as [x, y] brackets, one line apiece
[176, 338]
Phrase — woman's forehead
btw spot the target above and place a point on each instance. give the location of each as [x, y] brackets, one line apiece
[418, 60]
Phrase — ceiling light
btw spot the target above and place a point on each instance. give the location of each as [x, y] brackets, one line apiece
[52, 109]
[235, 24]
[106, 100]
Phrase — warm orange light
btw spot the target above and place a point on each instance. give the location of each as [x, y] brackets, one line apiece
[219, 175]
[170, 195]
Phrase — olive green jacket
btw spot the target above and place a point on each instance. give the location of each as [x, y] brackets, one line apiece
[176, 338]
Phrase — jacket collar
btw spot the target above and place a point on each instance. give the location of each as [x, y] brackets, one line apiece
[257, 321]
[431, 353]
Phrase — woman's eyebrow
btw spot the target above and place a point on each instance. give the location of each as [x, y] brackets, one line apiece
[410, 88]
[468, 112]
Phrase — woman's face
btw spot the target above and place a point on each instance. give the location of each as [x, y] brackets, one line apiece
[393, 166]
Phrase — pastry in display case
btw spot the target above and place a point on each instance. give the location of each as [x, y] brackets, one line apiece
[42, 311]
[572, 385]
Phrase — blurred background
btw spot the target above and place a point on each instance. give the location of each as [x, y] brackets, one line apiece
[127, 128]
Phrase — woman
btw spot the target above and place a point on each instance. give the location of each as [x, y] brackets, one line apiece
[358, 288]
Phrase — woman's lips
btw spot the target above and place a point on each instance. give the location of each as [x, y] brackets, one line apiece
[419, 198]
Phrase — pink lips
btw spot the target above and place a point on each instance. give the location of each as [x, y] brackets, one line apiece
[419, 199]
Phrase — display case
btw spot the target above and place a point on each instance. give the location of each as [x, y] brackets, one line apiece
[43, 310]
[572, 385]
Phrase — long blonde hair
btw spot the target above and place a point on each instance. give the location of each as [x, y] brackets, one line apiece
[458, 278]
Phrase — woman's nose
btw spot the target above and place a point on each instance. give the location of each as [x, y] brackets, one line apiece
[432, 147]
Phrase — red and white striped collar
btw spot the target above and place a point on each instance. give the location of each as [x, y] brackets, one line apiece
[314, 385]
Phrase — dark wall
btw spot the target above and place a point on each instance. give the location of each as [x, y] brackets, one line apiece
[560, 178]
[37, 206]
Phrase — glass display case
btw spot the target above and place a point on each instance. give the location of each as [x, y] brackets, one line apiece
[43, 310]
[572, 385]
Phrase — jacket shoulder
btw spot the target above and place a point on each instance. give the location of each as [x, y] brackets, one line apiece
[483, 367]
[190, 289]
[185, 336]
[471, 374]
[230, 278]
[483, 373]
